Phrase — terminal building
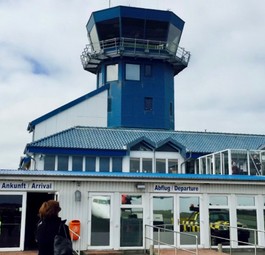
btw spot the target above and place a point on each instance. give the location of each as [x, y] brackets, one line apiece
[115, 162]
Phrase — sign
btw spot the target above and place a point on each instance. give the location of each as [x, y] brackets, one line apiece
[176, 188]
[23, 185]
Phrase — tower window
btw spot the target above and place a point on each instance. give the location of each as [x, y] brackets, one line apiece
[171, 109]
[109, 104]
[132, 72]
[100, 80]
[148, 70]
[148, 103]
[112, 72]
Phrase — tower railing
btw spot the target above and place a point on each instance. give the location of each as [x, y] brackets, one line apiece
[94, 53]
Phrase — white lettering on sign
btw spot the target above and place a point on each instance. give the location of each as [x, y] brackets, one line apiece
[26, 185]
[175, 188]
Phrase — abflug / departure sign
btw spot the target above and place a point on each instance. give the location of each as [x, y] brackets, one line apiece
[176, 188]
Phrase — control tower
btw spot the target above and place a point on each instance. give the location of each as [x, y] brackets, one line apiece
[135, 53]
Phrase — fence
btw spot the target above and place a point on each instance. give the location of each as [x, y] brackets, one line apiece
[77, 243]
[254, 234]
[154, 240]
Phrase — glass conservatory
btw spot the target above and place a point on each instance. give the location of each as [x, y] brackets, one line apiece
[233, 161]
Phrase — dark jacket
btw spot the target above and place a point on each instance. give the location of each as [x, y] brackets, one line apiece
[46, 231]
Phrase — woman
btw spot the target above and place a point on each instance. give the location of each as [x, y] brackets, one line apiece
[48, 227]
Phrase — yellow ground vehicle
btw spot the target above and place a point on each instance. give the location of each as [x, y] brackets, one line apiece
[219, 225]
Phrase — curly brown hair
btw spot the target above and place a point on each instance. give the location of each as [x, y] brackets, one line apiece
[49, 209]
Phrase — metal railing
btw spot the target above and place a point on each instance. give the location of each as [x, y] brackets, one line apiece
[253, 234]
[76, 243]
[152, 243]
[133, 46]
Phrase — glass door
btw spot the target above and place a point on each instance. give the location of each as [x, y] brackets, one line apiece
[163, 219]
[10, 220]
[100, 220]
[131, 220]
[189, 220]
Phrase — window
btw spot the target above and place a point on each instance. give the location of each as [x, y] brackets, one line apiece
[163, 208]
[100, 80]
[218, 200]
[104, 164]
[117, 164]
[148, 103]
[172, 166]
[132, 72]
[62, 163]
[156, 30]
[77, 163]
[112, 72]
[127, 199]
[148, 70]
[147, 165]
[90, 164]
[109, 104]
[108, 29]
[171, 109]
[134, 165]
[160, 165]
[49, 162]
[245, 200]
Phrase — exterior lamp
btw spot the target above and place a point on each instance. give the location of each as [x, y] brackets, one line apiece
[140, 186]
[78, 196]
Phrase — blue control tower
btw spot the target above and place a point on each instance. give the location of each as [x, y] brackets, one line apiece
[135, 53]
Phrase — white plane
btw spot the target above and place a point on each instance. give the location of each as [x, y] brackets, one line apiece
[101, 207]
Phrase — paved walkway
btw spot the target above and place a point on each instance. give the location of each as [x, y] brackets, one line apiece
[19, 253]
[163, 252]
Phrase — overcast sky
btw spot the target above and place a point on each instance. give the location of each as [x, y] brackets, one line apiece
[222, 89]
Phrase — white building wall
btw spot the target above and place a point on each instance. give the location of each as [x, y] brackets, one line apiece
[82, 114]
[72, 210]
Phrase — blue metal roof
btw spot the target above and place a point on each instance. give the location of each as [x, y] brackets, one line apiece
[118, 139]
[33, 123]
[131, 176]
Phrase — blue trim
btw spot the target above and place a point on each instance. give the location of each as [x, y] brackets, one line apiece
[33, 123]
[71, 151]
[136, 176]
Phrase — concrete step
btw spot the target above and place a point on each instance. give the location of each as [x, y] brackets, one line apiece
[102, 252]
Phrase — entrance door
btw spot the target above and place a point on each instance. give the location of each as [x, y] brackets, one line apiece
[180, 213]
[34, 202]
[100, 220]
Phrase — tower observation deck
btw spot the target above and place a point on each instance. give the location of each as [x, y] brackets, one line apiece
[136, 53]
[134, 32]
